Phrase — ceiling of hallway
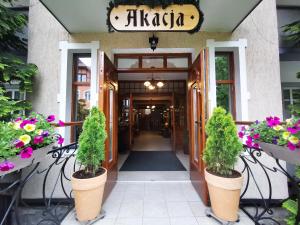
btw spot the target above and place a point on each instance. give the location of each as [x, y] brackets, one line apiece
[79, 16]
[156, 76]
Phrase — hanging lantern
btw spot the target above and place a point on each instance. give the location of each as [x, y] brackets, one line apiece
[153, 42]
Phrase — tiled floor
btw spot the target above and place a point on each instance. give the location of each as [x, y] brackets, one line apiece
[151, 141]
[154, 203]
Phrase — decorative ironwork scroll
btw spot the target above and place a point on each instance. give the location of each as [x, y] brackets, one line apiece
[261, 210]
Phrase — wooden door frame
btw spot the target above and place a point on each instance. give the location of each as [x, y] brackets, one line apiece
[196, 77]
[106, 78]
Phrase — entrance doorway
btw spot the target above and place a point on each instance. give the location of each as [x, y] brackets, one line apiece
[159, 130]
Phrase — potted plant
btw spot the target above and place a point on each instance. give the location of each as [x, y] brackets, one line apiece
[26, 140]
[88, 183]
[221, 153]
[277, 139]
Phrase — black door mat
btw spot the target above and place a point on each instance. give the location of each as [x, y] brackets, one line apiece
[152, 161]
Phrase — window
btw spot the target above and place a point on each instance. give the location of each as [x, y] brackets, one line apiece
[225, 81]
[291, 96]
[87, 95]
[81, 90]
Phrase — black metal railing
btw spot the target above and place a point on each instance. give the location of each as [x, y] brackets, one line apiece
[60, 161]
[261, 210]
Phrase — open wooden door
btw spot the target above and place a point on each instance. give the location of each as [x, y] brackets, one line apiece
[108, 102]
[197, 116]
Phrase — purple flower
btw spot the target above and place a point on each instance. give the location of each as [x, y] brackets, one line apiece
[256, 122]
[38, 139]
[243, 128]
[272, 122]
[241, 134]
[6, 166]
[50, 118]
[26, 153]
[274, 141]
[291, 146]
[45, 133]
[22, 125]
[33, 120]
[249, 142]
[19, 144]
[293, 130]
[256, 145]
[256, 136]
[61, 123]
[60, 140]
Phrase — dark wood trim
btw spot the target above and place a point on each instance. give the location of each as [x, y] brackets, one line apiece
[289, 7]
[152, 70]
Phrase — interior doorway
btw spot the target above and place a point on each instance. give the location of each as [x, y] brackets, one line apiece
[153, 111]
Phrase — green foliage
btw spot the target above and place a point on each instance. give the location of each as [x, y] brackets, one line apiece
[13, 69]
[293, 32]
[7, 133]
[222, 145]
[91, 151]
[292, 205]
[11, 22]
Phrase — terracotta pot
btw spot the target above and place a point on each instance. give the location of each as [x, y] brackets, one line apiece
[38, 155]
[224, 195]
[281, 152]
[88, 194]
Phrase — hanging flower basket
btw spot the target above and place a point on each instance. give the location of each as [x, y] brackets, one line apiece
[19, 163]
[281, 152]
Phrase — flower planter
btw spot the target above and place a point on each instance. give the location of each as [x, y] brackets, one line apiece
[224, 195]
[281, 152]
[37, 156]
[88, 195]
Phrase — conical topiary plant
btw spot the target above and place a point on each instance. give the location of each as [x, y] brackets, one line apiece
[222, 145]
[91, 151]
[220, 155]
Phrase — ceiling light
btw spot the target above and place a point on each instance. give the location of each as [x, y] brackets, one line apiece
[160, 84]
[153, 107]
[151, 87]
[148, 107]
[147, 83]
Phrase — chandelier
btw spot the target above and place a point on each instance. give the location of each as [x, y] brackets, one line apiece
[152, 84]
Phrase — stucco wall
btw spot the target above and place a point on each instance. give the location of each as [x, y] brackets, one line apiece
[264, 84]
[260, 30]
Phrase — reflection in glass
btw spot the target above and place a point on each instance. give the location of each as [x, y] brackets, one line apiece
[81, 87]
[224, 97]
[195, 120]
[111, 124]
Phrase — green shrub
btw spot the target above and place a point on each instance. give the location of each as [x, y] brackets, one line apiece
[91, 151]
[291, 205]
[222, 145]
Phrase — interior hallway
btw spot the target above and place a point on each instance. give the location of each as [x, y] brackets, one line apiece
[151, 141]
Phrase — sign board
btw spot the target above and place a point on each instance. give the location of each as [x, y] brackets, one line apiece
[173, 18]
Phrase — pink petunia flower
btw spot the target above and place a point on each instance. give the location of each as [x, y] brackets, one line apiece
[26, 153]
[25, 122]
[6, 166]
[61, 123]
[256, 136]
[293, 130]
[38, 139]
[19, 144]
[241, 134]
[33, 120]
[291, 146]
[50, 118]
[272, 122]
[60, 140]
[256, 145]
